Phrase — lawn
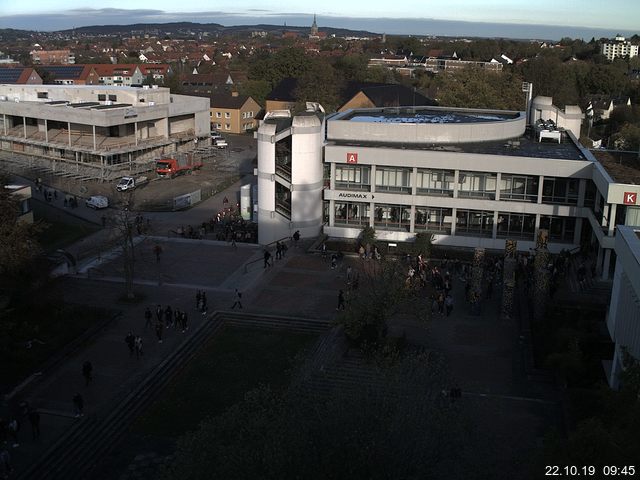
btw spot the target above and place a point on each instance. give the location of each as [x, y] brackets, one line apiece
[235, 361]
[60, 229]
[30, 335]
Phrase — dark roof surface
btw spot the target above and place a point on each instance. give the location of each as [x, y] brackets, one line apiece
[10, 75]
[63, 71]
[222, 100]
[388, 95]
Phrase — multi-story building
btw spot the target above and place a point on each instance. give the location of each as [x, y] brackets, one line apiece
[471, 178]
[233, 113]
[19, 75]
[70, 74]
[98, 130]
[46, 57]
[623, 319]
[619, 47]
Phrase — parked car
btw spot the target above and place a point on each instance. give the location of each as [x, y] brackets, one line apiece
[97, 202]
[129, 183]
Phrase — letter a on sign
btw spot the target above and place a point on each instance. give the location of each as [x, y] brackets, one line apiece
[630, 198]
[352, 158]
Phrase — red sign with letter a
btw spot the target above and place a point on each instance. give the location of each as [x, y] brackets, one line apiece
[630, 198]
[352, 158]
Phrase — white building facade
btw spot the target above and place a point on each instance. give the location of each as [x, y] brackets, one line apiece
[620, 48]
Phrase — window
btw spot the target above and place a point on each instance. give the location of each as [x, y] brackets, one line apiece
[113, 98]
[474, 222]
[560, 190]
[393, 179]
[392, 217]
[477, 184]
[519, 225]
[43, 94]
[433, 219]
[351, 213]
[218, 115]
[244, 114]
[227, 126]
[353, 178]
[435, 182]
[250, 114]
[227, 115]
[561, 229]
[519, 187]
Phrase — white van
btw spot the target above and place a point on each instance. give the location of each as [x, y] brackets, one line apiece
[97, 202]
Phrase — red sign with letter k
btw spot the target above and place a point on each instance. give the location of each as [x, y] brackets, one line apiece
[630, 198]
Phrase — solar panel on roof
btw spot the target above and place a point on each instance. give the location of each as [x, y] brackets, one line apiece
[64, 71]
[115, 105]
[10, 75]
[83, 104]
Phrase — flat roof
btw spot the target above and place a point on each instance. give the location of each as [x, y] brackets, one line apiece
[523, 146]
[425, 115]
[622, 167]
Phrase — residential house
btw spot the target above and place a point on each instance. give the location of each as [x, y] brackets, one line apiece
[207, 83]
[371, 95]
[599, 107]
[70, 74]
[233, 113]
[19, 75]
[282, 97]
[123, 75]
[46, 57]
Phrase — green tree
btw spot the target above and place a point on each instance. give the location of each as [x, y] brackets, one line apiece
[319, 83]
[287, 62]
[256, 89]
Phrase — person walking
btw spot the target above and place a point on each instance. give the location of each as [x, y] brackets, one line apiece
[147, 318]
[159, 313]
[87, 372]
[168, 316]
[157, 250]
[267, 256]
[448, 303]
[138, 347]
[203, 303]
[184, 321]
[238, 300]
[296, 238]
[159, 331]
[12, 429]
[198, 299]
[278, 250]
[78, 403]
[6, 470]
[341, 305]
[130, 340]
[34, 420]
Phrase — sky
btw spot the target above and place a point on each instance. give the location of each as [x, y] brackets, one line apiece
[500, 18]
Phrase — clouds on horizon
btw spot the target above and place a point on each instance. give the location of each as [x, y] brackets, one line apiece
[79, 17]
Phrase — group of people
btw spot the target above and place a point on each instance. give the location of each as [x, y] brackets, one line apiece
[10, 438]
[169, 318]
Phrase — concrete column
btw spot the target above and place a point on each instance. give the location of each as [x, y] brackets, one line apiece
[69, 132]
[46, 131]
[373, 182]
[414, 188]
[494, 227]
[332, 179]
[612, 218]
[536, 227]
[577, 234]
[454, 215]
[332, 212]
[372, 210]
[605, 215]
[596, 203]
[93, 128]
[135, 131]
[456, 179]
[540, 187]
[4, 122]
[582, 189]
[24, 126]
[412, 220]
[498, 181]
[606, 265]
[614, 380]
[599, 259]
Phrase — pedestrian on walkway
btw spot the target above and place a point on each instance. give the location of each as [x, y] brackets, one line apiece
[203, 303]
[138, 347]
[448, 303]
[159, 328]
[267, 256]
[184, 321]
[87, 372]
[130, 340]
[168, 316]
[78, 403]
[12, 430]
[278, 250]
[157, 250]
[198, 299]
[341, 305]
[238, 300]
[323, 250]
[5, 464]
[296, 238]
[34, 420]
[159, 313]
[147, 318]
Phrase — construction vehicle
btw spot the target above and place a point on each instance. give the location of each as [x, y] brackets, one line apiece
[178, 164]
[129, 183]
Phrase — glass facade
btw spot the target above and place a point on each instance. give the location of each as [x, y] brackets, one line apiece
[519, 187]
[350, 177]
[433, 219]
[392, 217]
[352, 213]
[562, 191]
[519, 225]
[477, 185]
[477, 223]
[561, 229]
[392, 179]
[435, 182]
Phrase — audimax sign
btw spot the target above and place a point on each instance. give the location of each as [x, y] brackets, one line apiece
[361, 196]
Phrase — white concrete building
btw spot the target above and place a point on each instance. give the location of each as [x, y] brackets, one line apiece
[97, 128]
[623, 319]
[472, 178]
[619, 47]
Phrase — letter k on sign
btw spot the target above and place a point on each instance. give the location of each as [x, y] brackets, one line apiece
[630, 198]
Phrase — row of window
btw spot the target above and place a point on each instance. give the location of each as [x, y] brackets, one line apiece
[218, 126]
[439, 220]
[470, 184]
[228, 114]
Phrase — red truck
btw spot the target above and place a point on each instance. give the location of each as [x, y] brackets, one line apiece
[177, 165]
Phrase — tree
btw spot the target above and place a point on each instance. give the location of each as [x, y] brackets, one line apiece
[288, 62]
[123, 222]
[319, 83]
[256, 89]
[423, 243]
[399, 427]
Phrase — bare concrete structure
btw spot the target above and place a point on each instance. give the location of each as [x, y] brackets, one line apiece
[98, 130]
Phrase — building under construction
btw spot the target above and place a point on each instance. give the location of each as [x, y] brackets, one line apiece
[98, 132]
